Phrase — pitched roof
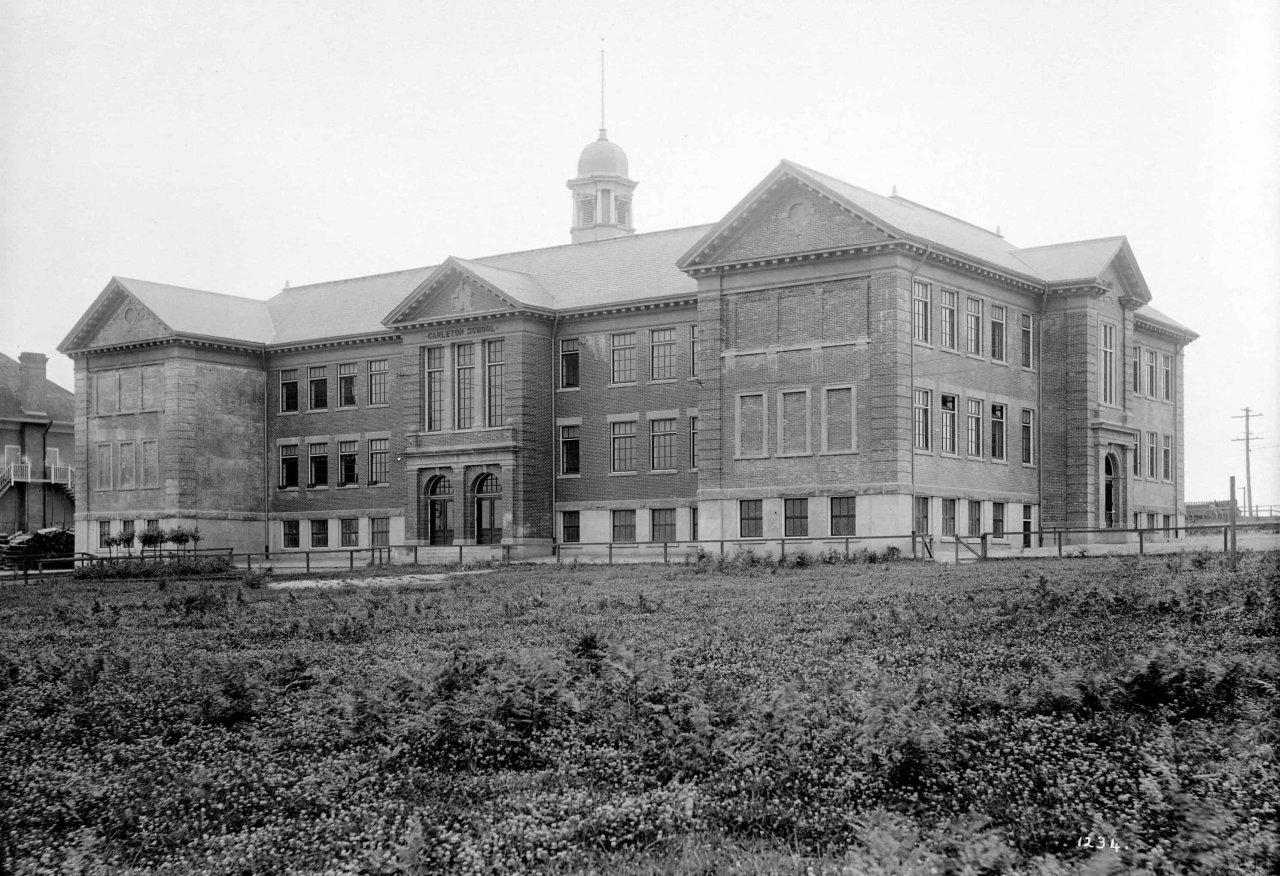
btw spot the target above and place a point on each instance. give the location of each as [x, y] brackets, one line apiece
[1147, 313]
[1078, 260]
[340, 307]
[196, 312]
[59, 403]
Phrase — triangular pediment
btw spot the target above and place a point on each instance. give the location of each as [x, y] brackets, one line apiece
[115, 317]
[460, 287]
[1124, 275]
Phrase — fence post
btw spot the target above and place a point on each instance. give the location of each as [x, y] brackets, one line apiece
[1058, 535]
[415, 555]
[664, 553]
[308, 556]
[351, 560]
[722, 548]
[985, 535]
[956, 540]
[846, 549]
[1142, 547]
[782, 549]
[248, 559]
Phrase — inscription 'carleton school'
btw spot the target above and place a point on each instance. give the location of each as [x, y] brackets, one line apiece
[458, 332]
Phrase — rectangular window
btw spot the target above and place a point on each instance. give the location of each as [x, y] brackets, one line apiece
[291, 530]
[569, 363]
[624, 525]
[570, 460]
[378, 460]
[695, 350]
[973, 427]
[844, 515]
[973, 326]
[127, 528]
[150, 465]
[377, 381]
[920, 421]
[949, 517]
[662, 354]
[622, 350]
[751, 420]
[1137, 457]
[495, 358]
[997, 332]
[319, 533]
[975, 517]
[1028, 341]
[948, 424]
[104, 532]
[997, 432]
[662, 524]
[1151, 373]
[128, 466]
[920, 311]
[1135, 366]
[348, 451]
[693, 443]
[347, 385]
[751, 518]
[571, 526]
[794, 422]
[997, 519]
[318, 464]
[464, 382]
[795, 513]
[1107, 363]
[288, 465]
[319, 388]
[288, 390]
[1028, 437]
[948, 319]
[838, 419]
[1168, 523]
[435, 389]
[1166, 378]
[624, 446]
[921, 521]
[1166, 458]
[380, 531]
[693, 523]
[1151, 454]
[350, 532]
[662, 445]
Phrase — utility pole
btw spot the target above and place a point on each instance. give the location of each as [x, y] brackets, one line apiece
[1248, 476]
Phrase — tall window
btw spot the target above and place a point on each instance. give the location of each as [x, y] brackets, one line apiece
[1166, 378]
[693, 442]
[973, 326]
[662, 445]
[795, 514]
[104, 532]
[975, 517]
[1151, 454]
[347, 453]
[569, 363]
[948, 424]
[290, 529]
[997, 432]
[571, 526]
[997, 332]
[1107, 363]
[624, 525]
[319, 533]
[948, 516]
[921, 521]
[997, 519]
[288, 390]
[318, 464]
[378, 460]
[662, 354]
[920, 421]
[379, 531]
[288, 465]
[948, 319]
[464, 385]
[1028, 437]
[1135, 365]
[973, 427]
[1166, 458]
[750, 518]
[350, 533]
[622, 348]
[844, 515]
[435, 389]
[347, 385]
[319, 388]
[1028, 341]
[495, 369]
[1151, 373]
[624, 446]
[662, 524]
[1137, 457]
[693, 523]
[378, 381]
[695, 349]
[920, 311]
[569, 450]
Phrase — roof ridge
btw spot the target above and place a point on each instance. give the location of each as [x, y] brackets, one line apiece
[940, 213]
[186, 288]
[352, 279]
[584, 243]
[1070, 243]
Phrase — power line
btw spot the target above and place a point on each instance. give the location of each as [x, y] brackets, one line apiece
[1248, 474]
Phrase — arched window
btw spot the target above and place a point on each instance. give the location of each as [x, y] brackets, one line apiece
[439, 510]
[488, 492]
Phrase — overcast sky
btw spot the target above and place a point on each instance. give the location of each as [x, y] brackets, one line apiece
[235, 146]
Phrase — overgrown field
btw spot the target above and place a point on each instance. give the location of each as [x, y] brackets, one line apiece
[892, 718]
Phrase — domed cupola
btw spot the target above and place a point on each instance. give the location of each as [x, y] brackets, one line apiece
[602, 193]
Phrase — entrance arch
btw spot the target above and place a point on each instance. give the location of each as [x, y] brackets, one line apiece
[488, 492]
[1111, 492]
[439, 510]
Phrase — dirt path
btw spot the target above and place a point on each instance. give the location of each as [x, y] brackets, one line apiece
[379, 581]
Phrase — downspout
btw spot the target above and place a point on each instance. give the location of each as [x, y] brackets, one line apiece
[911, 388]
[266, 457]
[1039, 433]
[1176, 377]
[44, 489]
[555, 430]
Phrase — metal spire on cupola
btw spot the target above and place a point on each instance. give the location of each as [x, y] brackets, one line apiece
[602, 190]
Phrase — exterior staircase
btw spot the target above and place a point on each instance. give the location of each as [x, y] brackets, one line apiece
[61, 476]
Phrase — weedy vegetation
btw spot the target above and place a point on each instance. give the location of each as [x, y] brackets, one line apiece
[877, 717]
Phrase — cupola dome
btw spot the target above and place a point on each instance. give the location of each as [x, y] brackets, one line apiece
[602, 158]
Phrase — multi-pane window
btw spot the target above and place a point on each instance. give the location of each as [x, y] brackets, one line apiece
[624, 525]
[662, 524]
[288, 390]
[662, 445]
[1137, 457]
[975, 517]
[623, 436]
[997, 332]
[622, 351]
[973, 427]
[920, 311]
[379, 531]
[378, 460]
[838, 419]
[1107, 363]
[948, 319]
[920, 419]
[750, 518]
[997, 519]
[948, 516]
[1135, 365]
[1151, 373]
[1151, 454]
[693, 442]
[127, 529]
[435, 389]
[350, 533]
[795, 518]
[571, 526]
[751, 420]
[693, 524]
[464, 385]
[997, 432]
[570, 447]
[662, 354]
[291, 530]
[347, 454]
[973, 326]
[921, 521]
[1166, 458]
[495, 372]
[104, 532]
[695, 350]
[1028, 341]
[319, 533]
[378, 381]
[844, 515]
[319, 388]
[569, 363]
[1028, 437]
[318, 464]
[1166, 378]
[794, 416]
[347, 385]
[948, 424]
[288, 465]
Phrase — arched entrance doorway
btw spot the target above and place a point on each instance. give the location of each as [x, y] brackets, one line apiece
[439, 510]
[1111, 492]
[488, 493]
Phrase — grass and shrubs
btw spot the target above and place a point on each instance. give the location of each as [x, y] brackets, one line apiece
[1107, 715]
